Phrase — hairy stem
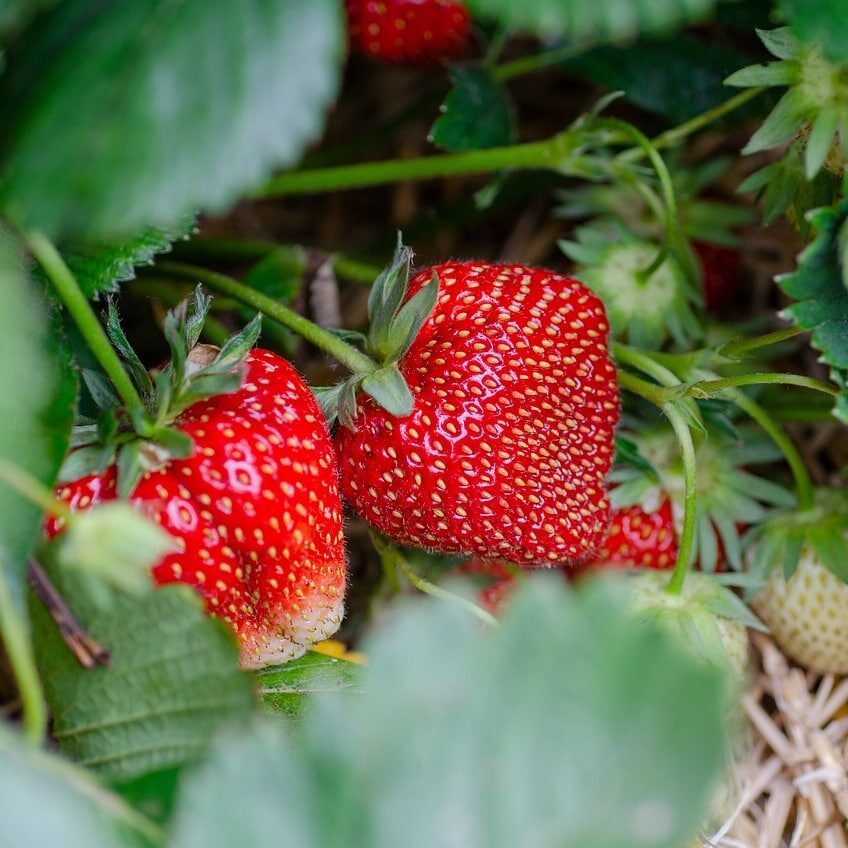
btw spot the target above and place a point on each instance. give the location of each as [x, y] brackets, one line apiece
[741, 347]
[80, 310]
[803, 484]
[649, 391]
[348, 355]
[704, 388]
[551, 153]
[15, 637]
[392, 557]
[687, 537]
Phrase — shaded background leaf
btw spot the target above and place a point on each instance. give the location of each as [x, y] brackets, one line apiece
[821, 22]
[476, 114]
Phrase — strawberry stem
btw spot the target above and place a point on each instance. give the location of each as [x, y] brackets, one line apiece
[553, 153]
[707, 388]
[15, 636]
[741, 347]
[393, 558]
[80, 310]
[803, 484]
[687, 536]
[649, 391]
[348, 355]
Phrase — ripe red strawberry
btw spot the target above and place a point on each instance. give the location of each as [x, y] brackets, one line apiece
[505, 452]
[720, 271]
[408, 31]
[639, 538]
[255, 510]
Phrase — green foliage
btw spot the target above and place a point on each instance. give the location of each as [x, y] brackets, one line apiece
[44, 801]
[821, 22]
[676, 78]
[171, 682]
[446, 751]
[599, 20]
[820, 285]
[99, 268]
[37, 392]
[289, 688]
[476, 114]
[169, 107]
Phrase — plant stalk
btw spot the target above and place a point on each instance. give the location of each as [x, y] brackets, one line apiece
[80, 310]
[391, 556]
[687, 536]
[348, 355]
[550, 153]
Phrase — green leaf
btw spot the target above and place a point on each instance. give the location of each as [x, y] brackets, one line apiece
[819, 22]
[100, 267]
[37, 396]
[476, 114]
[599, 20]
[527, 735]
[289, 688]
[817, 285]
[120, 115]
[172, 680]
[388, 388]
[45, 801]
[677, 78]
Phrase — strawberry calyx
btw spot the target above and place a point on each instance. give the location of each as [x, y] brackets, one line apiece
[728, 495]
[394, 319]
[143, 439]
[812, 113]
[645, 307]
[781, 539]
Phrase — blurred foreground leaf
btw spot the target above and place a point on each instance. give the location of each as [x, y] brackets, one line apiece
[45, 802]
[119, 115]
[568, 726]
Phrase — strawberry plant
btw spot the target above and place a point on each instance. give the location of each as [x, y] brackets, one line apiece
[504, 344]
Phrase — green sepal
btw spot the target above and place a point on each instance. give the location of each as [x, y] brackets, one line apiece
[91, 459]
[387, 295]
[130, 467]
[729, 605]
[138, 373]
[780, 42]
[409, 320]
[824, 128]
[237, 347]
[627, 453]
[178, 445]
[339, 401]
[100, 389]
[388, 389]
[771, 73]
[782, 123]
[85, 432]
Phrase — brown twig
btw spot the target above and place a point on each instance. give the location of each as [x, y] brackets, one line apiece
[87, 651]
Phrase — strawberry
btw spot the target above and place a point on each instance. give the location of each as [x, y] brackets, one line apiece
[720, 273]
[706, 618]
[510, 437]
[408, 31]
[254, 506]
[647, 496]
[647, 305]
[640, 538]
[801, 555]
